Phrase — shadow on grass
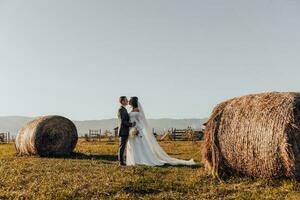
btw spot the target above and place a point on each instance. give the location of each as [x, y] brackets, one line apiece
[82, 156]
[198, 165]
[237, 177]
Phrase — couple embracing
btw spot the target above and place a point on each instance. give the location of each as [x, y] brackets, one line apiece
[137, 140]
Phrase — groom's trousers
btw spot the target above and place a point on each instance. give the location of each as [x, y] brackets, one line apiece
[122, 148]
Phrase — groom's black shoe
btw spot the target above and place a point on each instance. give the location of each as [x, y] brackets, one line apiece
[122, 164]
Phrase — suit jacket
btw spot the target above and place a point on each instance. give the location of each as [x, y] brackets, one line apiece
[124, 122]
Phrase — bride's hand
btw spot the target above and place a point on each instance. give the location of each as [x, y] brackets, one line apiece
[138, 134]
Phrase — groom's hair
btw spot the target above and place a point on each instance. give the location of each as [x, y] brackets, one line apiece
[122, 98]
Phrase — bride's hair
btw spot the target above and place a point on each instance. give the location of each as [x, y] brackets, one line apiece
[134, 102]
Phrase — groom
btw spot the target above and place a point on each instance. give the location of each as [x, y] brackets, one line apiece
[124, 126]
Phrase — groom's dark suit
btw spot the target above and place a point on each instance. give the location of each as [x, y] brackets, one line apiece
[123, 132]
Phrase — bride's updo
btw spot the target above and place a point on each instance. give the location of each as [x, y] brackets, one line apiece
[134, 102]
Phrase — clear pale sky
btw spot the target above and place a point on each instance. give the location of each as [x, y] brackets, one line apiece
[75, 58]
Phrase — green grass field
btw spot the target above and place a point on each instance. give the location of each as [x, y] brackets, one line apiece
[94, 174]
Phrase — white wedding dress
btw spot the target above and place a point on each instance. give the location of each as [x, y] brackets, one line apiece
[144, 149]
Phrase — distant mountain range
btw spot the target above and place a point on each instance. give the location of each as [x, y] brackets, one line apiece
[14, 123]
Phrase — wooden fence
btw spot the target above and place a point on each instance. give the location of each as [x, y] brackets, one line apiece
[173, 134]
[5, 137]
[183, 134]
[94, 135]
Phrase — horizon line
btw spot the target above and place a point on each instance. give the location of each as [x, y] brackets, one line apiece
[189, 118]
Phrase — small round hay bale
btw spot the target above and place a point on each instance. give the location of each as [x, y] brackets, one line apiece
[47, 136]
[256, 135]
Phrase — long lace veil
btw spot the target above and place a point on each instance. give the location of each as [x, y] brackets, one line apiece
[155, 147]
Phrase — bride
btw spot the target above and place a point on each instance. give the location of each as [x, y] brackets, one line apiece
[142, 147]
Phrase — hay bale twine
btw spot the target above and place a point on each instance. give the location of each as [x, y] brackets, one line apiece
[256, 135]
[47, 136]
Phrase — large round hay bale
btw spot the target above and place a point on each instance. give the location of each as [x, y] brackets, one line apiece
[47, 136]
[256, 135]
